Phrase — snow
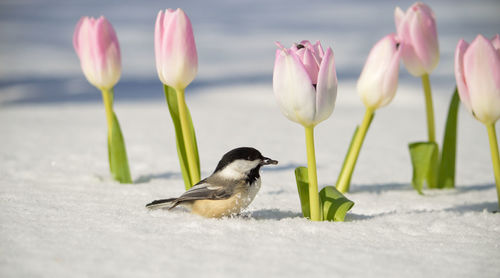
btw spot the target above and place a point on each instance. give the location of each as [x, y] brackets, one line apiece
[62, 216]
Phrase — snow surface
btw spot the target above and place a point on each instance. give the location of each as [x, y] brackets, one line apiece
[62, 216]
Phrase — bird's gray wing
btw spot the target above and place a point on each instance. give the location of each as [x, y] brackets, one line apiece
[205, 190]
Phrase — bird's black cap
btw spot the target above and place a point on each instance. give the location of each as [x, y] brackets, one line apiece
[245, 153]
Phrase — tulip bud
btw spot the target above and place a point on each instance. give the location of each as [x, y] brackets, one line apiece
[305, 82]
[418, 35]
[175, 49]
[379, 79]
[477, 72]
[97, 47]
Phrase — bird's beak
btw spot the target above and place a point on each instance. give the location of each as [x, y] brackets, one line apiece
[267, 161]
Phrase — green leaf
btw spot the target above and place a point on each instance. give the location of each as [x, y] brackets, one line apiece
[173, 108]
[303, 187]
[335, 205]
[424, 157]
[117, 154]
[446, 177]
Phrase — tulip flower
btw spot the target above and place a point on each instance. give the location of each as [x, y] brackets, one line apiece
[97, 47]
[417, 31]
[419, 49]
[376, 86]
[305, 82]
[417, 34]
[378, 81]
[305, 86]
[477, 72]
[177, 65]
[96, 44]
[175, 49]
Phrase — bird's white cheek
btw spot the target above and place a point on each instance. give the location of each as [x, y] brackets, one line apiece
[231, 173]
[238, 169]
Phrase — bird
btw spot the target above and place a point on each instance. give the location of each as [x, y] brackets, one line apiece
[228, 190]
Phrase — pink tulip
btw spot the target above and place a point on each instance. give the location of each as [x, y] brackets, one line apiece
[419, 44]
[97, 47]
[175, 49]
[477, 71]
[379, 79]
[305, 82]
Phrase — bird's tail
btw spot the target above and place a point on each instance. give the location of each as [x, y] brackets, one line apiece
[163, 203]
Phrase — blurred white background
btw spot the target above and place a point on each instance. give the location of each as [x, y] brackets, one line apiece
[235, 41]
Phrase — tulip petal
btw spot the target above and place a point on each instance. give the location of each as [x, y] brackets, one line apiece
[279, 45]
[369, 84]
[107, 52]
[378, 81]
[76, 35]
[170, 52]
[82, 40]
[326, 89]
[293, 88]
[390, 83]
[424, 36]
[410, 58]
[103, 38]
[463, 91]
[310, 65]
[398, 18]
[300, 53]
[482, 76]
[158, 43]
[318, 49]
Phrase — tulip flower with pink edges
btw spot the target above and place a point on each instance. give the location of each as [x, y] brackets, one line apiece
[420, 50]
[376, 86]
[305, 87]
[177, 65]
[96, 45]
[477, 72]
[417, 34]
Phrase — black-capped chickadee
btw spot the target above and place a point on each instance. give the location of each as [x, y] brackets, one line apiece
[230, 189]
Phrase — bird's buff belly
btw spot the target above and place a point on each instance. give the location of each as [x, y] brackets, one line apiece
[227, 207]
[218, 208]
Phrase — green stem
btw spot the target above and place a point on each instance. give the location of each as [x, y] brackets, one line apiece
[343, 182]
[186, 134]
[494, 156]
[313, 176]
[429, 108]
[107, 98]
[117, 154]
